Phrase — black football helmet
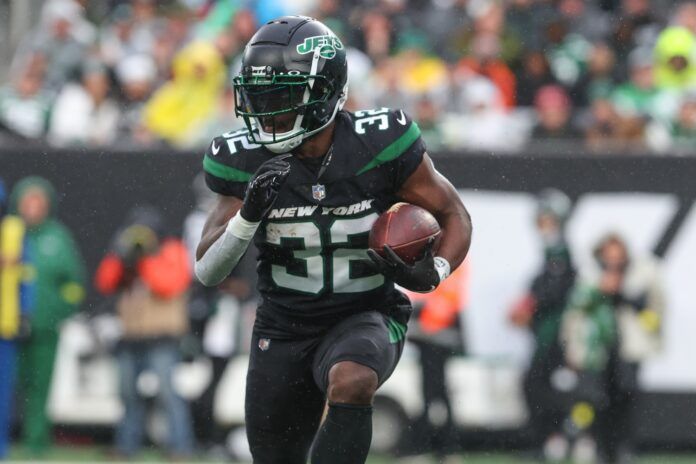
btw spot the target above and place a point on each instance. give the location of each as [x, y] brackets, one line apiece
[292, 83]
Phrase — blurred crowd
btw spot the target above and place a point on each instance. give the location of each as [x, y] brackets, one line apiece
[486, 75]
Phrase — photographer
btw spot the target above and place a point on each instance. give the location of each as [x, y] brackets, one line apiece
[613, 323]
[150, 275]
[540, 310]
[632, 287]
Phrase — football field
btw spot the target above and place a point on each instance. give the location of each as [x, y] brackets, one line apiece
[84, 454]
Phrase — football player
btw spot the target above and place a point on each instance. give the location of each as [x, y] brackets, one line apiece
[306, 180]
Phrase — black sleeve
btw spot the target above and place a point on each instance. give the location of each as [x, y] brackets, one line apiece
[403, 149]
[225, 172]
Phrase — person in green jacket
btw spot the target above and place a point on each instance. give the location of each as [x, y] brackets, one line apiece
[59, 289]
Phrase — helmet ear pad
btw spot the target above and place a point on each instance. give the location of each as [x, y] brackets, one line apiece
[320, 114]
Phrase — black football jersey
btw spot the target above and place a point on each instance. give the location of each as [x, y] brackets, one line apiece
[313, 267]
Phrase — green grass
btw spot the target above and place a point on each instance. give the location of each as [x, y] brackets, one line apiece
[77, 454]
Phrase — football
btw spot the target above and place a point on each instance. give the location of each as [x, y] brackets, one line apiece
[406, 229]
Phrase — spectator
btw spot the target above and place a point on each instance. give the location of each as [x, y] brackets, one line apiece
[584, 19]
[55, 49]
[489, 19]
[183, 106]
[685, 16]
[376, 39]
[136, 74]
[482, 122]
[588, 335]
[81, 28]
[145, 22]
[150, 274]
[24, 107]
[553, 110]
[608, 131]
[387, 89]
[169, 37]
[426, 113]
[420, 72]
[683, 130]
[222, 121]
[674, 56]
[598, 80]
[567, 53]
[631, 286]
[443, 20]
[485, 61]
[640, 97]
[540, 311]
[59, 291]
[331, 13]
[118, 39]
[635, 26]
[535, 74]
[525, 19]
[16, 301]
[84, 113]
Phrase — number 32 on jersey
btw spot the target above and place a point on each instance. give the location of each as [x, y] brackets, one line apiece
[319, 272]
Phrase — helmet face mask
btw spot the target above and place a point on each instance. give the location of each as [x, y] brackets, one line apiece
[274, 106]
[287, 90]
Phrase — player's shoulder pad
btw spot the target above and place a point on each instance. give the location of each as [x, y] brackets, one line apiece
[390, 133]
[233, 157]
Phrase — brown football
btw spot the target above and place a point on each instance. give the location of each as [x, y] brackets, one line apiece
[406, 229]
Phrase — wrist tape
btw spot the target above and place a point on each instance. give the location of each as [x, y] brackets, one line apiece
[224, 254]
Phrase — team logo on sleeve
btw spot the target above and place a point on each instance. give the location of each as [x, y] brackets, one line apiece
[327, 45]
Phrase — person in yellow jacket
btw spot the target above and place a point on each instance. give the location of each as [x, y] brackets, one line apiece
[675, 59]
[183, 106]
[16, 294]
[438, 334]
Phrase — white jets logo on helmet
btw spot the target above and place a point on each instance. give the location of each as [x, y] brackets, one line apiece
[327, 45]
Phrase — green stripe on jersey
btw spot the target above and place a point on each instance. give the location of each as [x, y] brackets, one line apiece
[397, 331]
[225, 172]
[395, 149]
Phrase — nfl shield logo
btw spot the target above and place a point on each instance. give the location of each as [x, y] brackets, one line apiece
[318, 192]
[264, 344]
